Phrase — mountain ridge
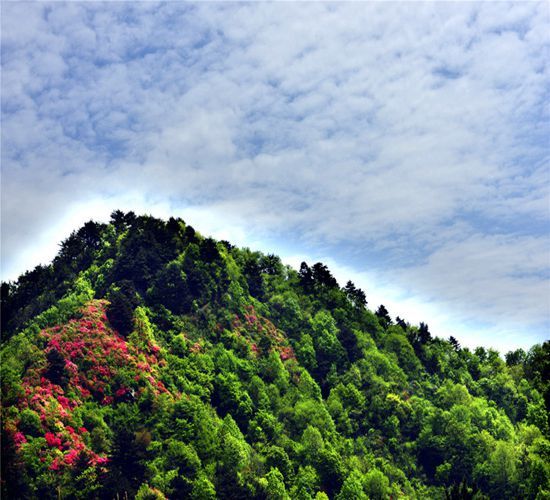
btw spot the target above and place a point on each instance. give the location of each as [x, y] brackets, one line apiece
[201, 370]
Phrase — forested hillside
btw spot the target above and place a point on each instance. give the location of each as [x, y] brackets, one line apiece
[149, 361]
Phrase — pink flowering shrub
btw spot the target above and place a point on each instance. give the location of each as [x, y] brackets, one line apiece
[91, 361]
[253, 327]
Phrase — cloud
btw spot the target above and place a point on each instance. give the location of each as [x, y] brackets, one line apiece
[407, 139]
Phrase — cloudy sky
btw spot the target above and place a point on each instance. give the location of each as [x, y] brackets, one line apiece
[404, 144]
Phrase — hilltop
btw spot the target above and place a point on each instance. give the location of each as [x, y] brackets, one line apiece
[149, 361]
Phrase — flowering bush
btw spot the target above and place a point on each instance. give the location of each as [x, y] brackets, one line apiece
[258, 330]
[85, 361]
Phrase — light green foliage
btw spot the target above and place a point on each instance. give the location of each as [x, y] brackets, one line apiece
[306, 483]
[451, 394]
[312, 444]
[287, 313]
[305, 351]
[396, 342]
[234, 450]
[80, 293]
[274, 485]
[273, 370]
[203, 489]
[310, 412]
[143, 332]
[376, 485]
[325, 336]
[235, 297]
[146, 492]
[500, 470]
[352, 489]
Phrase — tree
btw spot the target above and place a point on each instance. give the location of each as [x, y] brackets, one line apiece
[454, 343]
[171, 290]
[233, 457]
[253, 274]
[352, 489]
[203, 489]
[123, 299]
[383, 316]
[516, 357]
[306, 277]
[323, 277]
[402, 323]
[424, 335]
[305, 351]
[377, 485]
[121, 221]
[327, 346]
[271, 265]
[355, 295]
[209, 251]
[274, 485]
[277, 458]
[500, 471]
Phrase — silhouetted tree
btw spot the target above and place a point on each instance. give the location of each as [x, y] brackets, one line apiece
[515, 357]
[401, 323]
[271, 264]
[424, 335]
[306, 277]
[190, 234]
[454, 343]
[383, 315]
[322, 276]
[355, 295]
[121, 221]
[209, 251]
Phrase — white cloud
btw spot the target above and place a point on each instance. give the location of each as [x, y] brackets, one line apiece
[411, 137]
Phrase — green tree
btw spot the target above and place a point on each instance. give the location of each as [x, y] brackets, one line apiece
[377, 485]
[352, 489]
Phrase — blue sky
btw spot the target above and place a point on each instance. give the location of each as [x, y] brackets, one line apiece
[404, 144]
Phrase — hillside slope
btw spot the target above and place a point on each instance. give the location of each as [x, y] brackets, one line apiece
[148, 361]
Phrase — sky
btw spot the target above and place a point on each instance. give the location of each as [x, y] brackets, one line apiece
[405, 144]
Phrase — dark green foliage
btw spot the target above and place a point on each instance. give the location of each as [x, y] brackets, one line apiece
[424, 335]
[454, 343]
[253, 273]
[323, 277]
[6, 292]
[55, 370]
[122, 221]
[170, 289]
[383, 316]
[355, 295]
[123, 299]
[31, 294]
[306, 277]
[402, 323]
[128, 449]
[537, 370]
[79, 250]
[246, 379]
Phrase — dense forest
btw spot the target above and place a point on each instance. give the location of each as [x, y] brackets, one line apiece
[147, 361]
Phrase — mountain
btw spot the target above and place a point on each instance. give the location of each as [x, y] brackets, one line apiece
[148, 361]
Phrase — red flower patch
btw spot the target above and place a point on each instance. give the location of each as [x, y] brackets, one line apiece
[53, 441]
[92, 355]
